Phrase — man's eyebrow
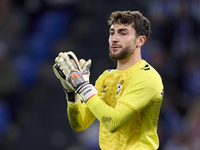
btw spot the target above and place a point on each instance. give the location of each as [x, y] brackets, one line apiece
[123, 29]
[119, 30]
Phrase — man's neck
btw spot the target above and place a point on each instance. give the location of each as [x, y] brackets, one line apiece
[129, 61]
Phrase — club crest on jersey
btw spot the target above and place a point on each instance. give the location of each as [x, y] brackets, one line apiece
[119, 86]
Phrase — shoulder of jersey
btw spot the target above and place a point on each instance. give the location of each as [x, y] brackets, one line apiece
[146, 67]
[106, 72]
[109, 70]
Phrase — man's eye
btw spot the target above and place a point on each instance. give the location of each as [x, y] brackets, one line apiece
[122, 33]
[111, 33]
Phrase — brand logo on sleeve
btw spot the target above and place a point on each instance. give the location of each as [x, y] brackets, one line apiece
[146, 67]
[119, 86]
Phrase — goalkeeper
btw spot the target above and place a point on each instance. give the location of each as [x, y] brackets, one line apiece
[125, 100]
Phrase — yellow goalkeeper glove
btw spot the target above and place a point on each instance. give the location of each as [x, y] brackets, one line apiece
[61, 71]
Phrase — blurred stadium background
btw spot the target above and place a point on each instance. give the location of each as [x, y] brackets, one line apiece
[33, 32]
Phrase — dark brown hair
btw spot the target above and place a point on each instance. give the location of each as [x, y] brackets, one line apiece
[140, 23]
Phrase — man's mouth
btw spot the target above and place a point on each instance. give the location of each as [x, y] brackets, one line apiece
[115, 47]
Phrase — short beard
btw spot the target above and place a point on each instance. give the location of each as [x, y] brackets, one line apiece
[127, 51]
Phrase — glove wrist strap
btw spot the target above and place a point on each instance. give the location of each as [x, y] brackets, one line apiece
[80, 86]
[87, 91]
[70, 96]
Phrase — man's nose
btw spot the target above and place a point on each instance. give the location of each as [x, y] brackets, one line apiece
[114, 38]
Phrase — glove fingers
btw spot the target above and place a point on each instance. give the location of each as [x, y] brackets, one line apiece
[82, 63]
[73, 57]
[64, 62]
[67, 61]
[59, 72]
[56, 72]
[65, 84]
[63, 66]
[86, 67]
[60, 54]
[88, 64]
[58, 57]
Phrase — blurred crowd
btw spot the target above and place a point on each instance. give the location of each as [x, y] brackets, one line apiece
[33, 32]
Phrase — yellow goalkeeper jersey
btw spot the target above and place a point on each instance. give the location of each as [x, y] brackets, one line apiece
[140, 88]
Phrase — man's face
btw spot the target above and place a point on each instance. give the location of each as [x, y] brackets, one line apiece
[122, 41]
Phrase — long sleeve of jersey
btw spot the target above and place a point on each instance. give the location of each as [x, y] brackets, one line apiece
[79, 115]
[111, 118]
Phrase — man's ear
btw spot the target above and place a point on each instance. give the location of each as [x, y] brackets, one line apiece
[140, 40]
